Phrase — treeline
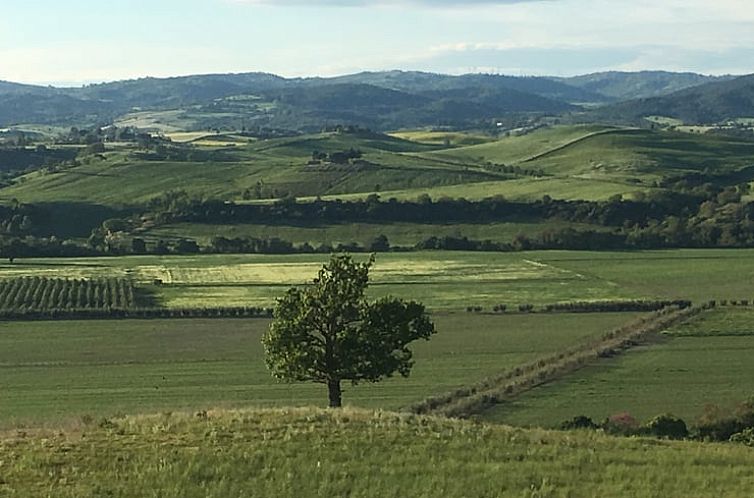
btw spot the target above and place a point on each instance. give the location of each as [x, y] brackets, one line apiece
[613, 306]
[715, 424]
[133, 313]
[41, 294]
[180, 207]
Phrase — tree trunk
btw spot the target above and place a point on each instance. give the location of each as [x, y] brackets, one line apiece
[333, 388]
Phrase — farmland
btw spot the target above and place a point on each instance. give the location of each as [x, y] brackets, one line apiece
[443, 281]
[55, 371]
[448, 281]
[700, 363]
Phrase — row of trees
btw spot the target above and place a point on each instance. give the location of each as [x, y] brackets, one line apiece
[133, 313]
[588, 306]
[180, 207]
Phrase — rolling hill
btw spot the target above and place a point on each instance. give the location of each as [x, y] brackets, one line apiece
[709, 103]
[381, 100]
[619, 85]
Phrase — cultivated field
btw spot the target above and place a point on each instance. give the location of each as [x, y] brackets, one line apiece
[442, 280]
[64, 370]
[448, 281]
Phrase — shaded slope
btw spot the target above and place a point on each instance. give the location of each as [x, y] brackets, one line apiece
[709, 103]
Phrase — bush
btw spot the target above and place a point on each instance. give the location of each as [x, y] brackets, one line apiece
[622, 424]
[578, 422]
[667, 426]
[744, 437]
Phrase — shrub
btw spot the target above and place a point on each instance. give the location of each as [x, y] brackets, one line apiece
[667, 426]
[578, 422]
[744, 437]
[621, 423]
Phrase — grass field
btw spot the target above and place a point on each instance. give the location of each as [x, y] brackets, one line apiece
[53, 371]
[306, 453]
[706, 361]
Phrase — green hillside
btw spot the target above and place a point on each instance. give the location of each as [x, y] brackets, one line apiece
[567, 162]
[280, 167]
[306, 452]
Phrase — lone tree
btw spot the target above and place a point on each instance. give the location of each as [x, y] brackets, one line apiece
[328, 332]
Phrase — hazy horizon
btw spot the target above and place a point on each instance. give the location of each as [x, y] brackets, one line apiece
[90, 42]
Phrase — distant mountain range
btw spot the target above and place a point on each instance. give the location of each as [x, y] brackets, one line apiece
[382, 100]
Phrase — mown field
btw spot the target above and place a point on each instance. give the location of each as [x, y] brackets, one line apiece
[306, 452]
[65, 370]
[704, 362]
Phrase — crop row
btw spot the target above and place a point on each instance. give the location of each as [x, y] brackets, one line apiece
[26, 294]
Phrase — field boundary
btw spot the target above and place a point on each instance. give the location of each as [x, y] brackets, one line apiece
[134, 313]
[472, 400]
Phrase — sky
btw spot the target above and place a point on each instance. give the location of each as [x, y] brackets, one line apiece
[72, 42]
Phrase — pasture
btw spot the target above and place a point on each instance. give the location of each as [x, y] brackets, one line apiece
[64, 370]
[306, 453]
[703, 362]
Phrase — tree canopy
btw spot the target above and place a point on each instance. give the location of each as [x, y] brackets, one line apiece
[329, 332]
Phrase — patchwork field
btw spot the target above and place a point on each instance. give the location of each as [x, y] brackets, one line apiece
[441, 280]
[448, 281]
[700, 363]
[64, 370]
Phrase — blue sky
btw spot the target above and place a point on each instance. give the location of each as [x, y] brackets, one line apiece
[77, 41]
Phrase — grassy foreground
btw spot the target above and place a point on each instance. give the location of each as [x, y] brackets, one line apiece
[310, 452]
